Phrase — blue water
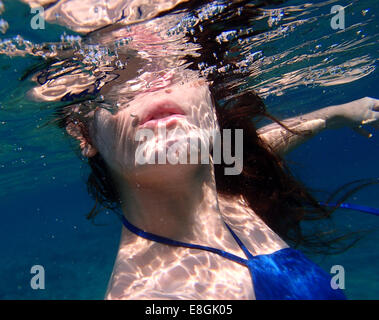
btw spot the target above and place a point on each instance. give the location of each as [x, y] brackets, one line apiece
[44, 199]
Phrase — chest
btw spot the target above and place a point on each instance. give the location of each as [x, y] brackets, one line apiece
[181, 274]
[149, 270]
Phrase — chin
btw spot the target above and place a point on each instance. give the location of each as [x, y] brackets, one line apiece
[173, 150]
[161, 175]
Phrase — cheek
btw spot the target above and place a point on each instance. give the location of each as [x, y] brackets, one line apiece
[207, 114]
[204, 112]
[197, 102]
[114, 141]
[208, 119]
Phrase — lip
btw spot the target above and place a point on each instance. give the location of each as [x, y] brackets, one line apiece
[161, 112]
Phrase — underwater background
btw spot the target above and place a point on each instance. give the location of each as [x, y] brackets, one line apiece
[304, 65]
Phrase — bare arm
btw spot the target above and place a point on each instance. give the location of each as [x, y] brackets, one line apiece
[353, 114]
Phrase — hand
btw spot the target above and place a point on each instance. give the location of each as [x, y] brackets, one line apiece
[358, 113]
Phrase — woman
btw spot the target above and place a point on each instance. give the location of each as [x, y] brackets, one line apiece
[190, 231]
[181, 202]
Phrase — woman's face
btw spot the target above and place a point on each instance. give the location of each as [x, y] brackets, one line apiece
[160, 127]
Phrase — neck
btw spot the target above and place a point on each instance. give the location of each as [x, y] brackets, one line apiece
[180, 203]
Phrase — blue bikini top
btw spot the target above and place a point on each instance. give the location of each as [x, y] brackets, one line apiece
[283, 274]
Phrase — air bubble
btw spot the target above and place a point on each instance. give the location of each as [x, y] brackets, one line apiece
[3, 26]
